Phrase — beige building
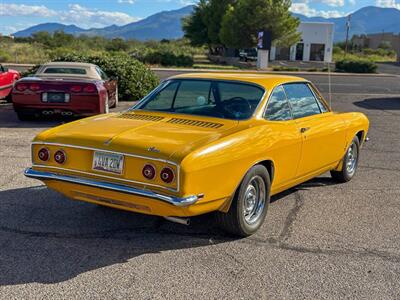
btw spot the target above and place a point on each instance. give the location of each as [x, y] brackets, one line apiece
[375, 40]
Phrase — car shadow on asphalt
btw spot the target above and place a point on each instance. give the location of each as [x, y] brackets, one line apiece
[380, 103]
[47, 238]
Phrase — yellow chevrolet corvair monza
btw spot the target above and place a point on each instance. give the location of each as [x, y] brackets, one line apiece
[203, 143]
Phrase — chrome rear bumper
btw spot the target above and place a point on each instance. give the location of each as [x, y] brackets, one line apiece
[186, 201]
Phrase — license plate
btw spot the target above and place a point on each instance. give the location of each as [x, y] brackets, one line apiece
[55, 97]
[108, 162]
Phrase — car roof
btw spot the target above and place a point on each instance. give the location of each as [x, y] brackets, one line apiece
[91, 72]
[69, 64]
[268, 81]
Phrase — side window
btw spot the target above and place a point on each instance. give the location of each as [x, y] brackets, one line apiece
[278, 106]
[302, 100]
[320, 100]
[163, 99]
[1, 69]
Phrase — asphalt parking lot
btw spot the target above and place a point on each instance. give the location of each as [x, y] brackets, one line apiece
[321, 239]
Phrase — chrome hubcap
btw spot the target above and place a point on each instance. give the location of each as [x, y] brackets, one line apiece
[352, 156]
[254, 200]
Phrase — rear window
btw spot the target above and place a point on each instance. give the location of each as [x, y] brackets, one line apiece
[213, 98]
[74, 71]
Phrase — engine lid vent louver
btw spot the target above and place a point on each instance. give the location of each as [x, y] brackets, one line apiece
[140, 117]
[194, 123]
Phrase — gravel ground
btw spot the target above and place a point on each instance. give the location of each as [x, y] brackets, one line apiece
[321, 239]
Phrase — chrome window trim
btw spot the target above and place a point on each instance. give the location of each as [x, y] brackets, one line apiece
[319, 100]
[176, 201]
[108, 151]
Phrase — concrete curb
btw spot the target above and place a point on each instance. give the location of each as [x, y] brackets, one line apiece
[272, 72]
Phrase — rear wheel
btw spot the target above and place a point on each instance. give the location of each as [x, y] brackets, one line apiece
[249, 205]
[350, 163]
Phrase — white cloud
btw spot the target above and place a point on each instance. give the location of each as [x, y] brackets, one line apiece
[86, 17]
[15, 10]
[126, 1]
[333, 3]
[388, 3]
[306, 10]
[75, 14]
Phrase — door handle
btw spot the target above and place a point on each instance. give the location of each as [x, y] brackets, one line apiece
[304, 129]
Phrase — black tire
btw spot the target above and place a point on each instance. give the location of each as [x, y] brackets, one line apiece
[24, 117]
[234, 221]
[9, 98]
[349, 168]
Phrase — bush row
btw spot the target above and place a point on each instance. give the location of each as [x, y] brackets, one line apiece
[356, 66]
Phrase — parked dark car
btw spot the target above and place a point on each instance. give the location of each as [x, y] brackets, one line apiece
[66, 88]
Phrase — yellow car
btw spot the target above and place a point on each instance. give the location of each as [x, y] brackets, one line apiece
[203, 143]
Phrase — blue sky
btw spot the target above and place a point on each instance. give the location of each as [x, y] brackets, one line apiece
[20, 14]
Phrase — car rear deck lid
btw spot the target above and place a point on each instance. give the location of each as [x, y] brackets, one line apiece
[189, 122]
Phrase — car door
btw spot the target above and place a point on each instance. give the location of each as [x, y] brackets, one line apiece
[284, 139]
[323, 133]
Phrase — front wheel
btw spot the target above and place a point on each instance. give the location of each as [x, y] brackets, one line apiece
[249, 205]
[350, 163]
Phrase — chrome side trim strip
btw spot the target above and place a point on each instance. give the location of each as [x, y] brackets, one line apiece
[114, 152]
[176, 201]
[103, 176]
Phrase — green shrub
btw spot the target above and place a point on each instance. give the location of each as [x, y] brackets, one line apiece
[167, 58]
[5, 56]
[135, 80]
[356, 66]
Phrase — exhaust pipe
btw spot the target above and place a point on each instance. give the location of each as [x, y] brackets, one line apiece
[66, 113]
[47, 112]
[182, 221]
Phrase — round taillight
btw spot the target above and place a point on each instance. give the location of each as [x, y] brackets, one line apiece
[60, 157]
[21, 87]
[167, 175]
[76, 88]
[34, 87]
[89, 89]
[149, 172]
[44, 154]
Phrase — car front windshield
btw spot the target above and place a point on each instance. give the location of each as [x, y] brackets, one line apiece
[211, 98]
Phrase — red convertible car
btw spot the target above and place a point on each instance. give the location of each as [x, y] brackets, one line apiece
[7, 79]
[66, 88]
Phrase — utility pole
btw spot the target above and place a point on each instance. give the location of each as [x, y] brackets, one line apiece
[347, 34]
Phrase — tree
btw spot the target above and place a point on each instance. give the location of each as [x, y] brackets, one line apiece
[204, 25]
[246, 18]
[194, 26]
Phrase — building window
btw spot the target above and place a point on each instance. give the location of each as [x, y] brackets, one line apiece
[317, 52]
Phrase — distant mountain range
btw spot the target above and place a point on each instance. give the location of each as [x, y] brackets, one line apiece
[168, 25]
